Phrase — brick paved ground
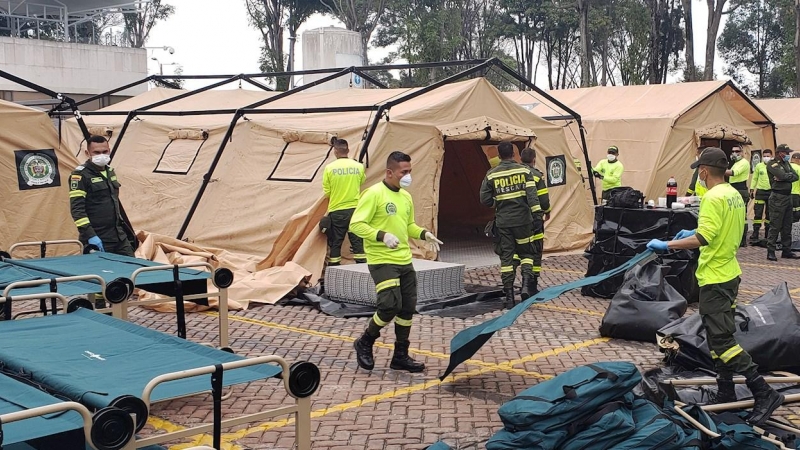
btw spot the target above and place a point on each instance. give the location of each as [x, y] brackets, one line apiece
[386, 409]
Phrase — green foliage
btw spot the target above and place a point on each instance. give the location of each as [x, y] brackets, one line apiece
[757, 45]
[138, 24]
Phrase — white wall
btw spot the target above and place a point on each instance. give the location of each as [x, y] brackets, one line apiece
[72, 68]
[329, 47]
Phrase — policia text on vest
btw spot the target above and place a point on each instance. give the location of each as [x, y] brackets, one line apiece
[341, 183]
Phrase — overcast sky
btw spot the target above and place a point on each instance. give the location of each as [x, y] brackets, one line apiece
[214, 37]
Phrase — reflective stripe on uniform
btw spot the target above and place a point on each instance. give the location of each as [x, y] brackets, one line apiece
[505, 269]
[537, 237]
[402, 322]
[360, 256]
[527, 261]
[82, 222]
[714, 354]
[731, 353]
[77, 193]
[536, 208]
[378, 321]
[759, 202]
[388, 284]
[504, 173]
[530, 184]
[335, 260]
[511, 195]
[541, 192]
[537, 269]
[757, 221]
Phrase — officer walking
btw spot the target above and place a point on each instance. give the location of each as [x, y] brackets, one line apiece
[511, 190]
[341, 183]
[763, 189]
[610, 171]
[780, 203]
[94, 201]
[540, 216]
[718, 235]
[384, 218]
[739, 173]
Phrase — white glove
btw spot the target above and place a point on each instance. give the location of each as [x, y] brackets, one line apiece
[391, 240]
[429, 237]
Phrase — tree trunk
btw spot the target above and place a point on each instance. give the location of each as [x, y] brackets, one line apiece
[797, 47]
[586, 51]
[604, 64]
[714, 18]
[691, 69]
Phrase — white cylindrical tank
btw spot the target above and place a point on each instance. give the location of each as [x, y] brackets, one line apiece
[331, 47]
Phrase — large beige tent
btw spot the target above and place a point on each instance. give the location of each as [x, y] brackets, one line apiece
[658, 127]
[33, 186]
[786, 114]
[264, 193]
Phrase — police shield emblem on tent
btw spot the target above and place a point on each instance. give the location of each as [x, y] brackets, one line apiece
[556, 170]
[37, 169]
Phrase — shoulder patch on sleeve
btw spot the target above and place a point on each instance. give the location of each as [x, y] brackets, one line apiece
[79, 168]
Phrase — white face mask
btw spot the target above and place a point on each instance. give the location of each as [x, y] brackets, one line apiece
[405, 181]
[767, 159]
[611, 158]
[702, 182]
[101, 160]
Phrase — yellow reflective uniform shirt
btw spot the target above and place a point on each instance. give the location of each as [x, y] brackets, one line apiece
[612, 173]
[381, 210]
[741, 171]
[341, 182]
[719, 229]
[760, 178]
[796, 184]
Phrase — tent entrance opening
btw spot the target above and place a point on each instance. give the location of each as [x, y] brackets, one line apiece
[462, 218]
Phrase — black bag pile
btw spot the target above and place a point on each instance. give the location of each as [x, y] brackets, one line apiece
[621, 233]
[644, 304]
[768, 328]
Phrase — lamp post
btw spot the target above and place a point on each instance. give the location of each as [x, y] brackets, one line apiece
[161, 65]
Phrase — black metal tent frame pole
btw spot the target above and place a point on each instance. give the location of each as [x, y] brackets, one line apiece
[61, 97]
[229, 134]
[564, 107]
[115, 90]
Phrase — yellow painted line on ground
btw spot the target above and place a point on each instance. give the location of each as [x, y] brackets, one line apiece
[770, 266]
[412, 389]
[415, 351]
[573, 310]
[165, 425]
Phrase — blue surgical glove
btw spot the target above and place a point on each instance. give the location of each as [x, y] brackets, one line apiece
[683, 234]
[657, 246]
[97, 243]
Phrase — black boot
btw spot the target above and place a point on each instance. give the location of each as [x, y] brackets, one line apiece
[754, 237]
[771, 255]
[533, 288]
[789, 255]
[401, 360]
[767, 400]
[726, 391]
[525, 292]
[363, 347]
[509, 302]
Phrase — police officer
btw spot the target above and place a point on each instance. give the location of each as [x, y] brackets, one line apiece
[610, 171]
[780, 203]
[384, 218]
[718, 234]
[762, 188]
[94, 201]
[695, 189]
[795, 162]
[739, 173]
[341, 183]
[511, 190]
[540, 215]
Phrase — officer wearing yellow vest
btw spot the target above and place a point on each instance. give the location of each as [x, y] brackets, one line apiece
[739, 174]
[341, 183]
[384, 218]
[795, 162]
[718, 234]
[610, 171]
[695, 188]
[760, 184]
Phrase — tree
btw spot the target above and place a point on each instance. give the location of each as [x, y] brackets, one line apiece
[139, 23]
[271, 17]
[716, 9]
[362, 16]
[754, 40]
[522, 23]
[691, 72]
[582, 6]
[797, 46]
[666, 37]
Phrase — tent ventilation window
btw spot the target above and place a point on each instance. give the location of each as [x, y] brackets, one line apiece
[302, 157]
[181, 151]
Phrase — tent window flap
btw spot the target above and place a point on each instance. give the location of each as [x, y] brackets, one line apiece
[300, 162]
[485, 129]
[179, 154]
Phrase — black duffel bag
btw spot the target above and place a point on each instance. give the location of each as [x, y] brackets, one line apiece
[625, 197]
